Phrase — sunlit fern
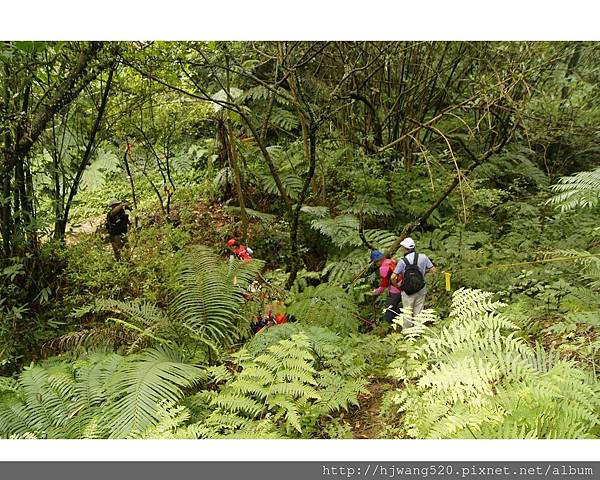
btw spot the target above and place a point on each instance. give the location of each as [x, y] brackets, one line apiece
[474, 377]
[579, 190]
[277, 393]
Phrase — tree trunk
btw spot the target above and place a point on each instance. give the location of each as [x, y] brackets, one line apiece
[232, 154]
[130, 177]
[64, 93]
[62, 223]
[238, 179]
[295, 260]
[573, 61]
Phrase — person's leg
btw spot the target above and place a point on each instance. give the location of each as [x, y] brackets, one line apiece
[125, 246]
[419, 301]
[407, 302]
[391, 305]
[116, 242]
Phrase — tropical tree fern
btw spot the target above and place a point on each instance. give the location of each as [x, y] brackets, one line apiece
[341, 230]
[325, 305]
[342, 270]
[365, 205]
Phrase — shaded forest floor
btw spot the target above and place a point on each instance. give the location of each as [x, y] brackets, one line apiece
[366, 420]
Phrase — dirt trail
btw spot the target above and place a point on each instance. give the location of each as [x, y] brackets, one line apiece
[366, 422]
[208, 218]
[85, 227]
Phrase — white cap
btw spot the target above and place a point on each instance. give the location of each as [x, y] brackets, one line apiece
[408, 243]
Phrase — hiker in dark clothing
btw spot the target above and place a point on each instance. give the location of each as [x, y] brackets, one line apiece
[117, 224]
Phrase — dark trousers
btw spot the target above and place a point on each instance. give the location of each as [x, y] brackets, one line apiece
[118, 242]
[392, 302]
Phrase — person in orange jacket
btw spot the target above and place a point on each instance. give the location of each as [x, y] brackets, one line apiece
[242, 252]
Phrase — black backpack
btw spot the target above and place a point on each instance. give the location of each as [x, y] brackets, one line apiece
[117, 224]
[413, 281]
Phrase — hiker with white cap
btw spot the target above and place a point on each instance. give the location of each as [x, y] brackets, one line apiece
[413, 268]
[386, 269]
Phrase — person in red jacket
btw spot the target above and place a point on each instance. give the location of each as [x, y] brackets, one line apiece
[386, 269]
[242, 252]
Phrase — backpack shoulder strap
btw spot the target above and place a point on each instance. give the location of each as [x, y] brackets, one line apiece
[405, 260]
[415, 259]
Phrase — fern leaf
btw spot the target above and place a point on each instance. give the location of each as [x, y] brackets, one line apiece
[141, 383]
[581, 190]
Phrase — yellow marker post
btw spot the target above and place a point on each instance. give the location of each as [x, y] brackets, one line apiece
[447, 276]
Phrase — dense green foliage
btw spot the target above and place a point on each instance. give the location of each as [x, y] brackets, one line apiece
[476, 378]
[313, 153]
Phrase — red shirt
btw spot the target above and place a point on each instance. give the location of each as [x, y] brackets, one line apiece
[242, 253]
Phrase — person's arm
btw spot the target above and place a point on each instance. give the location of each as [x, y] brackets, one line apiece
[430, 267]
[397, 275]
[115, 211]
[119, 207]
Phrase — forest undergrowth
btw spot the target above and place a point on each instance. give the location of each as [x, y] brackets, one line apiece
[169, 321]
[313, 154]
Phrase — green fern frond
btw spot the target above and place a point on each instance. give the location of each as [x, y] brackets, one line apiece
[515, 161]
[219, 374]
[171, 419]
[338, 393]
[317, 212]
[341, 230]
[224, 177]
[294, 388]
[292, 184]
[227, 420]
[469, 303]
[475, 377]
[381, 239]
[283, 385]
[589, 263]
[284, 119]
[325, 305]
[9, 385]
[140, 311]
[238, 404]
[140, 383]
[289, 409]
[266, 218]
[208, 301]
[368, 206]
[344, 269]
[581, 190]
